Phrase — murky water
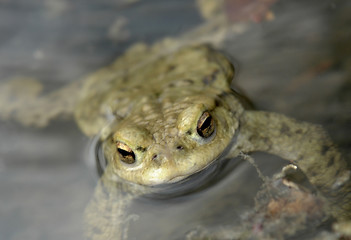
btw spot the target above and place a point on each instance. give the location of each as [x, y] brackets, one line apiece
[298, 64]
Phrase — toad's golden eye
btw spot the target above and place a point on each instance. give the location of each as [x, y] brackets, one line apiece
[205, 125]
[126, 153]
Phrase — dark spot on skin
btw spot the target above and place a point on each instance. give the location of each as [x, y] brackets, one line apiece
[331, 162]
[125, 79]
[285, 129]
[189, 132]
[223, 94]
[154, 157]
[180, 147]
[189, 81]
[267, 142]
[141, 149]
[299, 131]
[157, 94]
[325, 149]
[209, 79]
[256, 138]
[171, 85]
[217, 103]
[312, 173]
[171, 67]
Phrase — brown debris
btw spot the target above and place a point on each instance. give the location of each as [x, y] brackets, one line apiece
[297, 202]
[249, 10]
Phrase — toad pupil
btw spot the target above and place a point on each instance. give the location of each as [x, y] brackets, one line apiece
[205, 126]
[126, 153]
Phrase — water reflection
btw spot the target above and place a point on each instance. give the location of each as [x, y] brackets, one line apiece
[130, 211]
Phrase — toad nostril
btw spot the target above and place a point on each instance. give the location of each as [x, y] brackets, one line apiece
[154, 157]
[180, 147]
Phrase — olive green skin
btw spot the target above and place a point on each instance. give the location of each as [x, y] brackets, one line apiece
[152, 103]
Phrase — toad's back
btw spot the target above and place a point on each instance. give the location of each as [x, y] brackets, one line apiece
[144, 78]
[162, 117]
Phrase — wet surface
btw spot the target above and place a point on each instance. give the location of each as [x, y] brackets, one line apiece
[297, 63]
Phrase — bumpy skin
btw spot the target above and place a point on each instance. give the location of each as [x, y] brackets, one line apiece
[305, 145]
[153, 106]
[21, 100]
[155, 109]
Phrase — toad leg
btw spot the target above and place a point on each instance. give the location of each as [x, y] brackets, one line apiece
[106, 216]
[305, 145]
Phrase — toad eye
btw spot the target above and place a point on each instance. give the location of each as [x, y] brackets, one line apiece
[205, 125]
[126, 153]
